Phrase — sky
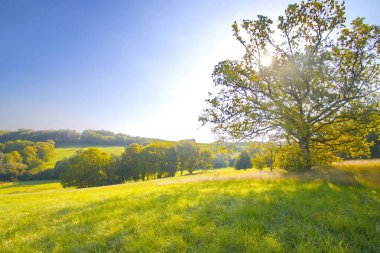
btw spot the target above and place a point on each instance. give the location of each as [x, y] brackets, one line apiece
[142, 68]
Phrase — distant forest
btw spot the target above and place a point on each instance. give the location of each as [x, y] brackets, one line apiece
[73, 138]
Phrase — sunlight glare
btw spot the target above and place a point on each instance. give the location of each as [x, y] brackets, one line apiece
[266, 60]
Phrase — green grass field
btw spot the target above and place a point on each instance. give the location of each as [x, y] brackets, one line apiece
[215, 211]
[61, 153]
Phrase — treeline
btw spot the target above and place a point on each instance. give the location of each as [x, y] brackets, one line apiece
[93, 167]
[73, 138]
[20, 159]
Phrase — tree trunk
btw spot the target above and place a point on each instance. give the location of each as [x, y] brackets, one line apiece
[306, 156]
[271, 160]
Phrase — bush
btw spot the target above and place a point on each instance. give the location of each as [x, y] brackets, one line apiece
[243, 161]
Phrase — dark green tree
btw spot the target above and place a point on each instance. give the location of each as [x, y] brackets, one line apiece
[205, 160]
[243, 161]
[129, 167]
[188, 154]
[375, 149]
[172, 161]
[151, 161]
[88, 168]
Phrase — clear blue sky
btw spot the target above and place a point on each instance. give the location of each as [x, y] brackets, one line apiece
[138, 67]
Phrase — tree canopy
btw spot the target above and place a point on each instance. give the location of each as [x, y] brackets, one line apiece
[321, 90]
[243, 161]
[72, 138]
[22, 159]
[89, 168]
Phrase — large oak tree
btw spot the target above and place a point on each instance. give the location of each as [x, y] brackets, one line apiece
[320, 90]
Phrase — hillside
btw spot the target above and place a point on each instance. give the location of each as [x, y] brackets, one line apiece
[215, 211]
[62, 153]
[87, 138]
[66, 152]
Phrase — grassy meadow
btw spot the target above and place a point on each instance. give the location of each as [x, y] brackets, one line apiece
[367, 172]
[215, 211]
[66, 152]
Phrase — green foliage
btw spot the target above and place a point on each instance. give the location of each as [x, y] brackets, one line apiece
[11, 166]
[263, 155]
[31, 150]
[172, 161]
[21, 158]
[129, 166]
[221, 160]
[150, 161]
[290, 158]
[320, 90]
[243, 161]
[13, 157]
[73, 138]
[374, 138]
[89, 168]
[206, 160]
[29, 155]
[45, 150]
[159, 159]
[155, 160]
[188, 154]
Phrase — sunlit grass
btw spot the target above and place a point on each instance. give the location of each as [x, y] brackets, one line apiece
[29, 186]
[61, 153]
[363, 166]
[365, 171]
[219, 211]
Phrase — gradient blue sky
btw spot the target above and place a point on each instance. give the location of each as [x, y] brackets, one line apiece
[138, 67]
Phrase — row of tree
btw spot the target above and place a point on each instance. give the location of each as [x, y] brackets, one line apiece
[94, 168]
[73, 138]
[19, 158]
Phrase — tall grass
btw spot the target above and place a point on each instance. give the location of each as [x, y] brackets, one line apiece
[362, 166]
[365, 171]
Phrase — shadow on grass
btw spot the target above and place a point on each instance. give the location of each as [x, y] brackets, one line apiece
[336, 176]
[219, 217]
[26, 183]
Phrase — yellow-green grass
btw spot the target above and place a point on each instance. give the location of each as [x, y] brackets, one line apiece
[362, 166]
[61, 153]
[365, 171]
[217, 211]
[29, 186]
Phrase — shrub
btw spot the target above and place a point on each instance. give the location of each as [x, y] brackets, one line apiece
[243, 161]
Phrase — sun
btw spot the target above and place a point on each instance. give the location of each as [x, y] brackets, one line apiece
[266, 60]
